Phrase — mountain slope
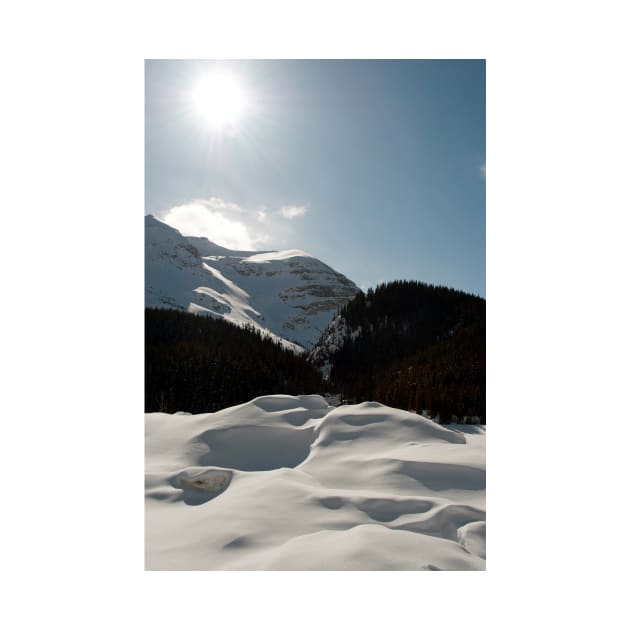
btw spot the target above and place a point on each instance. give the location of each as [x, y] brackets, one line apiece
[289, 295]
[410, 345]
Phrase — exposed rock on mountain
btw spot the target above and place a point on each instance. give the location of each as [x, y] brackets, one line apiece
[288, 295]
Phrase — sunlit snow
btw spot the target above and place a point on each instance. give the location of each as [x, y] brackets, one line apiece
[291, 483]
[287, 295]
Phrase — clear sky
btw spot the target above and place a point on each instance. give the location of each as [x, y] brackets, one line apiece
[375, 167]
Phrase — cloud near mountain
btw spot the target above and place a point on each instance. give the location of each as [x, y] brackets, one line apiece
[234, 226]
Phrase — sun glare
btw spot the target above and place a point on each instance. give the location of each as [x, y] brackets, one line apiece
[219, 100]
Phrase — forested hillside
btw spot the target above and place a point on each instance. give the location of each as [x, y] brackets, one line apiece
[200, 364]
[405, 344]
[411, 345]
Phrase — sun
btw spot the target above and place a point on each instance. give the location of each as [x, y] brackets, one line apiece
[219, 100]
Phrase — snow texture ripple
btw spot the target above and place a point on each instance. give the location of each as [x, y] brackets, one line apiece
[290, 483]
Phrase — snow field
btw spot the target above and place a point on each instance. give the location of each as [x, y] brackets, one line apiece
[290, 483]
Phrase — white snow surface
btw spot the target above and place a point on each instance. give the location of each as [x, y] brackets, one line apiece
[287, 295]
[291, 483]
[279, 255]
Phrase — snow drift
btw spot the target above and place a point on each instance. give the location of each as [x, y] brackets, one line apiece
[290, 483]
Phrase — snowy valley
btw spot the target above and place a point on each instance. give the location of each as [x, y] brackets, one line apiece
[248, 464]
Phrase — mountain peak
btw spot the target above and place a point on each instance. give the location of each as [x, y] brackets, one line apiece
[288, 295]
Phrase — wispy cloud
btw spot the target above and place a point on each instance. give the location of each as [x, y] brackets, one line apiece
[233, 226]
[482, 171]
[290, 212]
[220, 221]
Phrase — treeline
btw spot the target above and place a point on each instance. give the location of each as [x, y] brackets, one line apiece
[414, 346]
[199, 364]
[419, 347]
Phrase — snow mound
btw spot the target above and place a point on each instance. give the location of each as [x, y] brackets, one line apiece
[367, 547]
[377, 423]
[290, 483]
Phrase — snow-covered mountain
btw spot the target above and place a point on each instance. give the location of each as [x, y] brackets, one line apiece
[288, 295]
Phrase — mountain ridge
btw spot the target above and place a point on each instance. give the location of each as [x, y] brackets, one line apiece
[287, 295]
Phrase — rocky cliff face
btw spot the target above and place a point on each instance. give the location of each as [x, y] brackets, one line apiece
[288, 295]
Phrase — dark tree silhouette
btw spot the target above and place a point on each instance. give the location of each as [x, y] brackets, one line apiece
[199, 364]
[417, 346]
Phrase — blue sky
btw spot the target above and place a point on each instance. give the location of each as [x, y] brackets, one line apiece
[375, 167]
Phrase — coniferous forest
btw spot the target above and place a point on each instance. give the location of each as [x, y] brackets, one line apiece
[199, 364]
[413, 346]
[417, 347]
